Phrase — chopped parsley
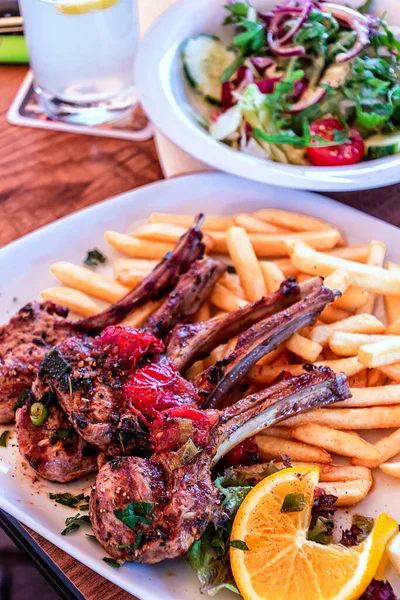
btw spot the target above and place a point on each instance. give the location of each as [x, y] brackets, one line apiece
[60, 434]
[67, 499]
[294, 502]
[239, 544]
[111, 562]
[135, 513]
[231, 269]
[94, 258]
[22, 398]
[3, 439]
[74, 523]
[54, 365]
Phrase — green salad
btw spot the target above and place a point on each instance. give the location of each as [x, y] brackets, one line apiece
[309, 82]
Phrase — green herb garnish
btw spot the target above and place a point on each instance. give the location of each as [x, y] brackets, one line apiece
[67, 499]
[239, 544]
[61, 434]
[111, 562]
[231, 269]
[135, 513]
[22, 398]
[94, 258]
[74, 523]
[3, 438]
[54, 365]
[295, 502]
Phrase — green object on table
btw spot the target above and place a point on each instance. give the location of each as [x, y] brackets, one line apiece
[13, 49]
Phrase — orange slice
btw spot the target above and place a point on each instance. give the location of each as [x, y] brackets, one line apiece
[281, 564]
[81, 7]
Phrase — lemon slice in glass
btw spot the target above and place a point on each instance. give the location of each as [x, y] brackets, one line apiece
[81, 7]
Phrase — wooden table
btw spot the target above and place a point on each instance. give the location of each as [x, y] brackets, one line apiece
[46, 175]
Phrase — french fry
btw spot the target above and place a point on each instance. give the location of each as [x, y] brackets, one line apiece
[338, 442]
[372, 396]
[375, 378]
[164, 232]
[246, 263]
[253, 225]
[136, 248]
[394, 328]
[331, 314]
[264, 375]
[161, 232]
[376, 417]
[392, 303]
[354, 253]
[224, 299]
[392, 371]
[286, 266]
[84, 280]
[392, 469]
[194, 370]
[204, 313]
[352, 299]
[366, 277]
[271, 447]
[348, 493]
[381, 354]
[230, 346]
[138, 317]
[232, 282]
[376, 256]
[327, 354]
[275, 244]
[280, 432]
[291, 220]
[186, 221]
[337, 280]
[78, 302]
[388, 447]
[216, 355]
[303, 347]
[348, 344]
[128, 273]
[273, 276]
[335, 473]
[354, 324]
[359, 380]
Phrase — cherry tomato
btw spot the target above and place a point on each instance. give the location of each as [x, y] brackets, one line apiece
[129, 344]
[157, 387]
[172, 428]
[349, 153]
[243, 454]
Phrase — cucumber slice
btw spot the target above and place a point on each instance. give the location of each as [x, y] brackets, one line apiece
[380, 145]
[205, 58]
[226, 124]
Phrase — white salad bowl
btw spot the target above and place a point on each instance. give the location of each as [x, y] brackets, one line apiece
[170, 103]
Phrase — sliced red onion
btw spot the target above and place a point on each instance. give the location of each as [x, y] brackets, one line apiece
[261, 63]
[361, 41]
[300, 21]
[309, 98]
[248, 77]
[344, 13]
[266, 17]
[279, 50]
[226, 95]
[299, 88]
[266, 86]
[239, 76]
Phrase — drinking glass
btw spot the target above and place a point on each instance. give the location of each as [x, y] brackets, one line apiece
[82, 55]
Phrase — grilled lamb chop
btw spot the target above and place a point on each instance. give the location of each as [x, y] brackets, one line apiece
[189, 343]
[24, 342]
[54, 450]
[215, 384]
[192, 289]
[26, 339]
[181, 498]
[159, 282]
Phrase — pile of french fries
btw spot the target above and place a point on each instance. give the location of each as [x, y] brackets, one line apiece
[263, 249]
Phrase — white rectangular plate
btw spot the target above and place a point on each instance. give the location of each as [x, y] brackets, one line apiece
[24, 273]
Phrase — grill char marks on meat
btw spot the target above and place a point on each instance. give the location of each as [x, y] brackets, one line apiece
[215, 384]
[91, 394]
[185, 499]
[191, 291]
[158, 283]
[54, 450]
[189, 343]
[24, 342]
